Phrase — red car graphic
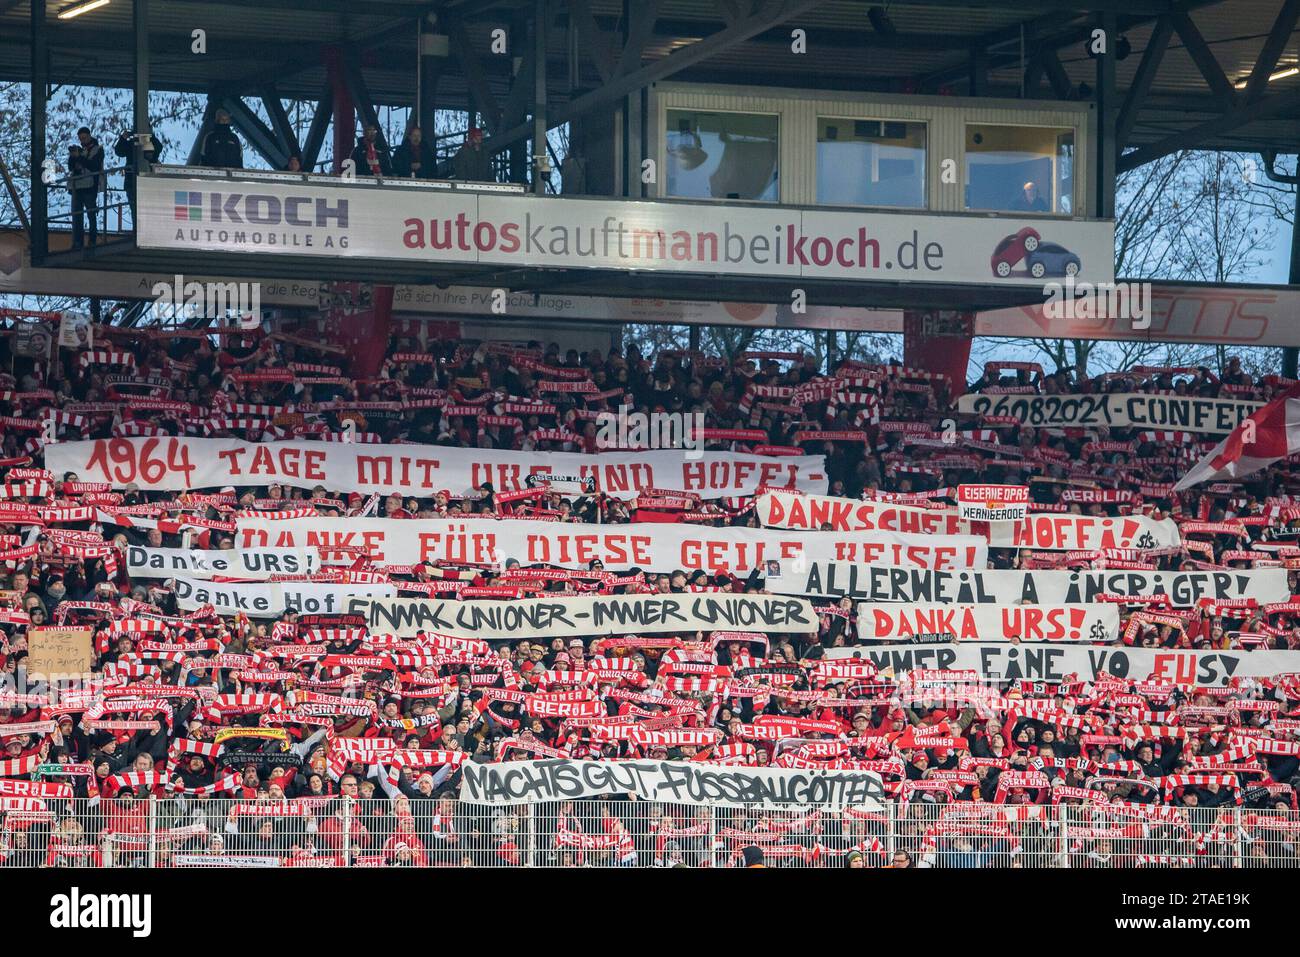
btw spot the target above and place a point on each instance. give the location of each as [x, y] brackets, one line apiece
[1013, 249]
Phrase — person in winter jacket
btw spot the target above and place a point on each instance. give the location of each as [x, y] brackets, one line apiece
[1154, 767]
[472, 163]
[85, 179]
[221, 147]
[414, 159]
[371, 156]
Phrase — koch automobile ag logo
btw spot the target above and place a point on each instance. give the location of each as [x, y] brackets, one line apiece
[189, 205]
[261, 209]
[247, 220]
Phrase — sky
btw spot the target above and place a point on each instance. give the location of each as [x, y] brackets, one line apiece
[1279, 265]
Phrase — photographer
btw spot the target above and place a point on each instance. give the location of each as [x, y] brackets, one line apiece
[125, 148]
[85, 177]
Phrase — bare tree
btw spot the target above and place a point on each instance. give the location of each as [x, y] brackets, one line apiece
[1222, 239]
[1193, 216]
[106, 111]
[870, 347]
[1276, 200]
[174, 116]
[730, 341]
[1150, 206]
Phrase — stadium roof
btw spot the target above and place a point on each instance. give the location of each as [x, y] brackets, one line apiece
[1182, 83]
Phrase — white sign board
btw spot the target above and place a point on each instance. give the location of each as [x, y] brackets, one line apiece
[993, 503]
[277, 218]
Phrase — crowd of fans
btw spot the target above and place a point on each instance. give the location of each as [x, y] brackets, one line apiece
[253, 741]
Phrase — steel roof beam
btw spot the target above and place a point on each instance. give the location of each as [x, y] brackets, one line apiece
[284, 132]
[1148, 8]
[320, 121]
[881, 23]
[1203, 57]
[773, 12]
[471, 65]
[1266, 108]
[205, 127]
[1056, 74]
[521, 88]
[1271, 52]
[349, 8]
[597, 41]
[1049, 31]
[639, 32]
[679, 29]
[259, 136]
[730, 10]
[1152, 57]
[356, 83]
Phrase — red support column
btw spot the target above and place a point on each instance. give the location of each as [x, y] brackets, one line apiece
[345, 116]
[939, 341]
[365, 333]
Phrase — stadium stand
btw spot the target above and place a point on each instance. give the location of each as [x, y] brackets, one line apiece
[1139, 708]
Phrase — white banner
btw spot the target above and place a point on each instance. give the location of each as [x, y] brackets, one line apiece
[173, 464]
[252, 564]
[582, 615]
[788, 510]
[1047, 531]
[880, 583]
[272, 599]
[1063, 532]
[1115, 410]
[649, 546]
[676, 782]
[1059, 662]
[905, 622]
[270, 218]
[227, 860]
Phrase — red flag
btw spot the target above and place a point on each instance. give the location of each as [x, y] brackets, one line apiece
[1270, 434]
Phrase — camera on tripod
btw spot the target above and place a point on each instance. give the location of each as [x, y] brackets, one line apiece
[142, 140]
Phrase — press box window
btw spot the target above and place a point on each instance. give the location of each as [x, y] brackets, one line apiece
[1020, 169]
[870, 163]
[722, 155]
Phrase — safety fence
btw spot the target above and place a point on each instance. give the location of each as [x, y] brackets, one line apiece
[424, 831]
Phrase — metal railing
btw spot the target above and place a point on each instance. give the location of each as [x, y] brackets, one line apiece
[420, 831]
[303, 176]
[112, 210]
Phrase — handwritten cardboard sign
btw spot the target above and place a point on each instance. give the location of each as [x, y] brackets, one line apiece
[64, 651]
